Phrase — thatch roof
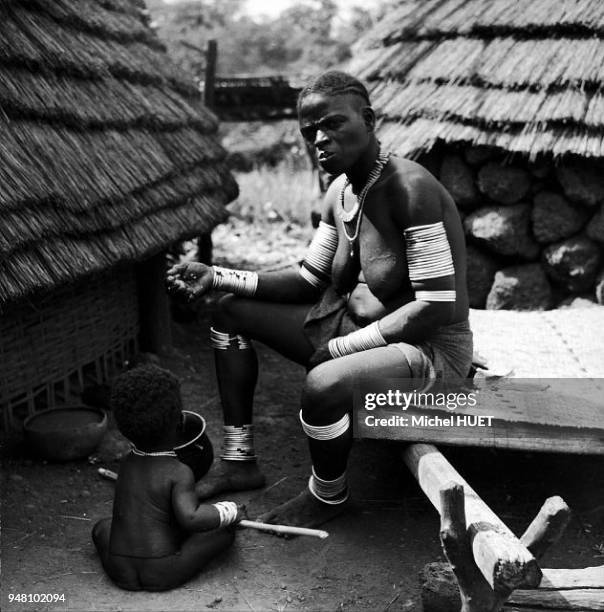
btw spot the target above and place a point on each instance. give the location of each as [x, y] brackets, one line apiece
[523, 75]
[106, 154]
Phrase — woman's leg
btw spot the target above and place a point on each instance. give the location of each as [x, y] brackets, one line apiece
[236, 322]
[326, 416]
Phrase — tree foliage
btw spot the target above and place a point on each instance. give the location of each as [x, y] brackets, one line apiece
[304, 39]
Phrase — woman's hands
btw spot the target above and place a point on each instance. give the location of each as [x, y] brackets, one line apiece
[189, 281]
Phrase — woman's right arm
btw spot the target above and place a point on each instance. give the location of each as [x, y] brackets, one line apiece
[294, 285]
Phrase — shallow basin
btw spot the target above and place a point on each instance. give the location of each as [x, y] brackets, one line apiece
[65, 433]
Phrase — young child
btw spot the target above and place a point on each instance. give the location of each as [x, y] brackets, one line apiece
[151, 542]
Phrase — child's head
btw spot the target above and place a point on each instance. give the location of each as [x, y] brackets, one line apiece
[147, 405]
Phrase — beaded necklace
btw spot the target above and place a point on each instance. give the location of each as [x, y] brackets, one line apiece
[348, 216]
[141, 453]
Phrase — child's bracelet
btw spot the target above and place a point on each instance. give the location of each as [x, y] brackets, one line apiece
[227, 511]
[239, 282]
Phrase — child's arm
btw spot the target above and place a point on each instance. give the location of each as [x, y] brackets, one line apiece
[193, 515]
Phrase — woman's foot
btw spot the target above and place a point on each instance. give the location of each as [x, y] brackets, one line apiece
[304, 510]
[230, 476]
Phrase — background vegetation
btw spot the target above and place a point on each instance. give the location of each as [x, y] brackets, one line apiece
[304, 39]
[270, 221]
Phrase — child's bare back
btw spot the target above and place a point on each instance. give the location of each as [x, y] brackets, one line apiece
[160, 535]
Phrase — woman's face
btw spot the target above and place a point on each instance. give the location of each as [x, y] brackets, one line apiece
[339, 126]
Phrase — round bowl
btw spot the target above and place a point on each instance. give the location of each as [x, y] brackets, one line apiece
[196, 451]
[65, 433]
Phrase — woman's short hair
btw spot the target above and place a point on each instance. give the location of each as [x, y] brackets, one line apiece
[334, 82]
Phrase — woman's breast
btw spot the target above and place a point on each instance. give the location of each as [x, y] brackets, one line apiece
[382, 286]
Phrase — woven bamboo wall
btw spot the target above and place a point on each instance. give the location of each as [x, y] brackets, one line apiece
[53, 346]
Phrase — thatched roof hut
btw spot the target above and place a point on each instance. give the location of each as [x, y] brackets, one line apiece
[106, 158]
[503, 100]
[522, 75]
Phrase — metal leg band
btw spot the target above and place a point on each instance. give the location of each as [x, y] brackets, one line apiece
[328, 491]
[238, 443]
[224, 341]
[326, 432]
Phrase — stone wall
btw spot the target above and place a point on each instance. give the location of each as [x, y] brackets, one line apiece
[534, 230]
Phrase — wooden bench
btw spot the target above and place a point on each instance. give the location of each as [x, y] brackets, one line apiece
[489, 566]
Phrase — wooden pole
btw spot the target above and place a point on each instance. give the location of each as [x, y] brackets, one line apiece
[154, 308]
[210, 75]
[503, 560]
[547, 527]
[475, 593]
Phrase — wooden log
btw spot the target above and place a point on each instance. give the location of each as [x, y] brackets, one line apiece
[560, 589]
[559, 599]
[515, 414]
[210, 74]
[155, 325]
[475, 593]
[503, 560]
[564, 589]
[547, 527]
[440, 591]
[583, 578]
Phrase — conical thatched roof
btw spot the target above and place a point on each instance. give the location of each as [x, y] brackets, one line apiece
[523, 75]
[106, 154]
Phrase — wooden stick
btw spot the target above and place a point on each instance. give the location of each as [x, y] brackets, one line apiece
[503, 560]
[285, 529]
[547, 527]
[105, 473]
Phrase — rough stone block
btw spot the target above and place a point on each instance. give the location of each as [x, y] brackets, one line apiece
[481, 270]
[595, 228]
[476, 156]
[554, 218]
[504, 230]
[503, 184]
[540, 168]
[523, 287]
[573, 263]
[458, 179]
[582, 183]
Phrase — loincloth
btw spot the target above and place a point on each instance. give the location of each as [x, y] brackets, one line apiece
[447, 353]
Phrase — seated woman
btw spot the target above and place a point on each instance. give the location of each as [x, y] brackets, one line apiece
[381, 293]
[151, 542]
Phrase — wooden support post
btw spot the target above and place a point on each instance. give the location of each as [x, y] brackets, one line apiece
[154, 308]
[210, 75]
[547, 527]
[475, 593]
[440, 591]
[503, 560]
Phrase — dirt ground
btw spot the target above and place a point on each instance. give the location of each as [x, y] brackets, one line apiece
[371, 559]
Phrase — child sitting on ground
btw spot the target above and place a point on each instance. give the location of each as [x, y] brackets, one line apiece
[150, 543]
